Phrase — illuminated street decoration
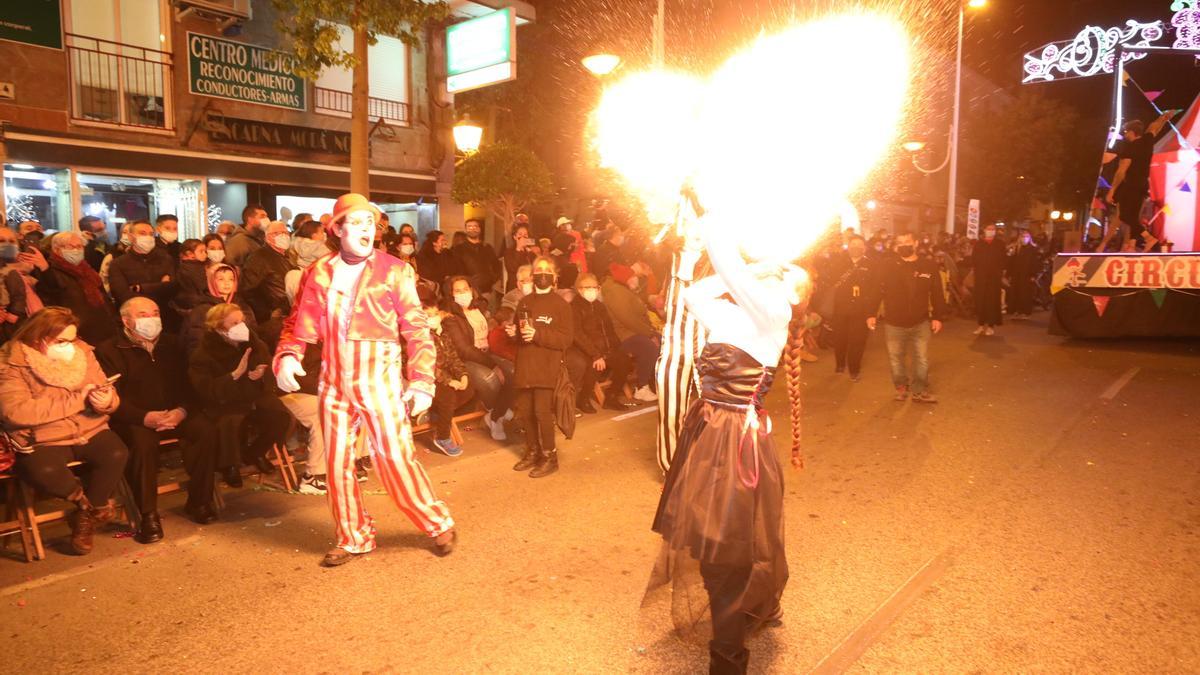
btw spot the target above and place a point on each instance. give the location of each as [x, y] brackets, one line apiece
[1187, 26]
[1092, 51]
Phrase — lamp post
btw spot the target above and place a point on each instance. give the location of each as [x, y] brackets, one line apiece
[601, 64]
[467, 136]
[951, 196]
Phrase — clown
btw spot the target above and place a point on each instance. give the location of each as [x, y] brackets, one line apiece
[360, 303]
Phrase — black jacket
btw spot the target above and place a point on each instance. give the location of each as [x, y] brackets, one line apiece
[146, 272]
[437, 267]
[262, 283]
[908, 291]
[193, 327]
[94, 253]
[96, 324]
[513, 260]
[149, 382]
[604, 257]
[853, 286]
[989, 259]
[456, 327]
[595, 335]
[210, 372]
[479, 262]
[193, 285]
[539, 362]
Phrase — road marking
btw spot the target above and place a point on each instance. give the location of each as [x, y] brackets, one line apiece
[856, 644]
[635, 413]
[50, 579]
[1116, 387]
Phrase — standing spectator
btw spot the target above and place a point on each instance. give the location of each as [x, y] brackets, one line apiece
[435, 261]
[18, 300]
[491, 377]
[166, 228]
[608, 253]
[248, 238]
[72, 283]
[519, 253]
[300, 219]
[595, 350]
[631, 318]
[852, 281]
[909, 287]
[477, 260]
[453, 388]
[193, 277]
[145, 270]
[215, 246]
[545, 329]
[121, 247]
[1024, 266]
[227, 227]
[54, 405]
[990, 257]
[566, 247]
[263, 274]
[155, 405]
[227, 371]
[522, 288]
[95, 234]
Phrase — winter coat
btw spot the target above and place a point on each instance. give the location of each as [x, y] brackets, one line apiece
[241, 244]
[262, 283]
[193, 285]
[42, 400]
[595, 334]
[96, 323]
[450, 365]
[539, 362]
[459, 333]
[210, 371]
[149, 382]
[479, 263]
[146, 271]
[629, 314]
[193, 327]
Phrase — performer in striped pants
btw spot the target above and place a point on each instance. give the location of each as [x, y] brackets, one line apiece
[361, 303]
[683, 338]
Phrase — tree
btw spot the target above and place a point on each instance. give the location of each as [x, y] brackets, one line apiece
[502, 178]
[311, 28]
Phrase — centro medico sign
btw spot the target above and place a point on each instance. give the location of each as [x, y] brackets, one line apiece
[481, 51]
[241, 72]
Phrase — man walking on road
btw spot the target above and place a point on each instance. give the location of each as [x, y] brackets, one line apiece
[910, 287]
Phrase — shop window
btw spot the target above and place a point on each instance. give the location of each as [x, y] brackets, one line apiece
[121, 199]
[388, 88]
[120, 62]
[37, 193]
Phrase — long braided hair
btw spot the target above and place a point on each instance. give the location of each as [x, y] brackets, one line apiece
[792, 362]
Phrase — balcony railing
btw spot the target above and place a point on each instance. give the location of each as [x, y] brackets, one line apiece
[124, 85]
[334, 102]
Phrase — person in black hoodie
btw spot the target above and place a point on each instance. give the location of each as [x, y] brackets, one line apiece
[1024, 266]
[851, 277]
[595, 350]
[227, 372]
[909, 287]
[94, 232]
[157, 404]
[435, 261]
[545, 325]
[193, 277]
[990, 257]
[145, 270]
[166, 228]
[477, 260]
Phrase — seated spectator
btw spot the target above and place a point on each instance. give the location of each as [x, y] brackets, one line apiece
[18, 299]
[227, 372]
[118, 250]
[216, 249]
[193, 276]
[166, 228]
[54, 406]
[499, 343]
[453, 387]
[608, 253]
[299, 220]
[435, 261]
[490, 375]
[222, 288]
[156, 404]
[522, 287]
[631, 319]
[308, 246]
[147, 271]
[595, 350]
[72, 283]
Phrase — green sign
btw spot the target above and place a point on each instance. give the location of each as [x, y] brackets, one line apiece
[481, 51]
[34, 22]
[242, 72]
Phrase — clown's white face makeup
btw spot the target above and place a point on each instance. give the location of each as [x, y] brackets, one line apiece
[357, 233]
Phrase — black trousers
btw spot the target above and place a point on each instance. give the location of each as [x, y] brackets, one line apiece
[269, 421]
[197, 441]
[536, 405]
[850, 341]
[1021, 296]
[987, 298]
[46, 469]
[445, 401]
[725, 585]
[579, 366]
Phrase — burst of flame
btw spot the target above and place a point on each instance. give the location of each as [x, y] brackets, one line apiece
[776, 140]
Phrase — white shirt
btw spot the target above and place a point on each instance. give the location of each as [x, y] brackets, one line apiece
[341, 295]
[479, 325]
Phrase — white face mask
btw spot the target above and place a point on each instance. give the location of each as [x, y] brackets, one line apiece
[148, 327]
[407, 249]
[435, 323]
[168, 236]
[527, 288]
[143, 244]
[74, 257]
[238, 333]
[125, 239]
[61, 351]
[282, 241]
[590, 294]
[216, 255]
[464, 299]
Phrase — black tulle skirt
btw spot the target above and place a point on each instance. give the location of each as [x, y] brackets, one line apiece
[722, 505]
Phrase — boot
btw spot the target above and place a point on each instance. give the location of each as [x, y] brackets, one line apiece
[547, 466]
[528, 460]
[151, 528]
[722, 663]
[82, 525]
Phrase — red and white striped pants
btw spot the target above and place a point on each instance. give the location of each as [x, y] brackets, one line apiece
[361, 384]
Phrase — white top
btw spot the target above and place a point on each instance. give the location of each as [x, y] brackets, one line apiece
[341, 295]
[479, 325]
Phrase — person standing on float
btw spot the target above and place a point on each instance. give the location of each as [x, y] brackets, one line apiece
[361, 303]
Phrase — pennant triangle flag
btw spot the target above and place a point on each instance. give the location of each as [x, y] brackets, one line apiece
[1159, 294]
[1101, 303]
[1105, 184]
[1153, 95]
[1124, 77]
[1167, 209]
[1185, 187]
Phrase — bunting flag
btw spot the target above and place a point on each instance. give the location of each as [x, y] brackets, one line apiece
[1152, 96]
[1124, 77]
[1105, 184]
[1159, 294]
[1185, 187]
[1167, 209]
[1101, 303]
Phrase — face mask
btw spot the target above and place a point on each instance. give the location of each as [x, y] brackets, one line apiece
[282, 241]
[238, 333]
[125, 240]
[590, 294]
[527, 287]
[100, 236]
[543, 280]
[144, 244]
[9, 252]
[989, 235]
[407, 249]
[148, 327]
[73, 256]
[464, 299]
[434, 323]
[906, 251]
[168, 236]
[61, 351]
[216, 255]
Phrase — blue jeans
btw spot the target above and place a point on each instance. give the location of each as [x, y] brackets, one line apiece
[901, 342]
[494, 396]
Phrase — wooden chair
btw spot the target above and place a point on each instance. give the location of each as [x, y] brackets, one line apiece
[18, 517]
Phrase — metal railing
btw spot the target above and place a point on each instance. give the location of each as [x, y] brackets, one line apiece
[114, 83]
[334, 102]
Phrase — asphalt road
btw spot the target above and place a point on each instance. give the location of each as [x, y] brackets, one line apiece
[1043, 517]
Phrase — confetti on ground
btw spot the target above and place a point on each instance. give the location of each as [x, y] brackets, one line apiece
[272, 523]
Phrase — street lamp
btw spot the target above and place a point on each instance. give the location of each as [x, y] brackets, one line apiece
[1068, 216]
[1055, 215]
[872, 205]
[951, 197]
[914, 146]
[601, 64]
[467, 136]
